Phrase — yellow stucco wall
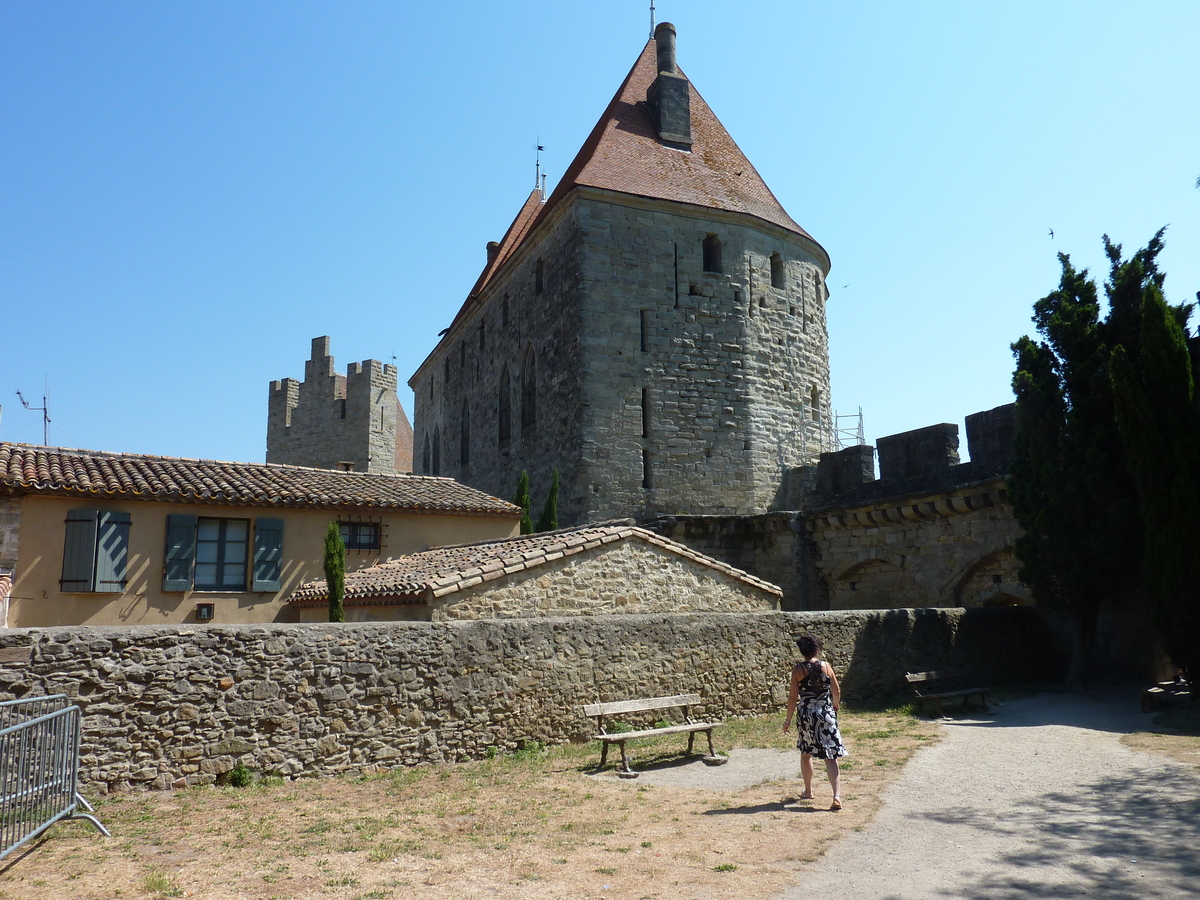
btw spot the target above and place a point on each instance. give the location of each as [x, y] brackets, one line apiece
[37, 601]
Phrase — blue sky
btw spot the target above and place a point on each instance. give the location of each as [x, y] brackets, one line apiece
[190, 192]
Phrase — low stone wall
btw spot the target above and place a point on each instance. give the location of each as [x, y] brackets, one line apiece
[169, 706]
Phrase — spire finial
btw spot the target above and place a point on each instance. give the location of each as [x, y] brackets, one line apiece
[537, 164]
[652, 33]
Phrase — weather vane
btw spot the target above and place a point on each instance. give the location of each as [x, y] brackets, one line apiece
[537, 165]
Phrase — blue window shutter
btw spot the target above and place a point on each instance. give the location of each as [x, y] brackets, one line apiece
[112, 552]
[180, 557]
[79, 552]
[268, 554]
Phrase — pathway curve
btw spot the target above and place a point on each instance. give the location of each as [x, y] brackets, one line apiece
[1040, 800]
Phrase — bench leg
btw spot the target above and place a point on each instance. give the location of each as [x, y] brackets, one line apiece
[691, 742]
[603, 751]
[625, 771]
[711, 751]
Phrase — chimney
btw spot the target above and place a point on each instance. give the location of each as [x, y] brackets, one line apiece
[668, 97]
[493, 248]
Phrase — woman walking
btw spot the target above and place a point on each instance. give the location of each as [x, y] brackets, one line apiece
[816, 692]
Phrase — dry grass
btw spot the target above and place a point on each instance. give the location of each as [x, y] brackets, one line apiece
[1173, 732]
[532, 825]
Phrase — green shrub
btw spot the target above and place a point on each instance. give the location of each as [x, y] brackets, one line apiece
[241, 775]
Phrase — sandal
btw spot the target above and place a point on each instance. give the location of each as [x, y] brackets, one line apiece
[836, 805]
[806, 796]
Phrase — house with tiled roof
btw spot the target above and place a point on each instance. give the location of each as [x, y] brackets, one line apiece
[88, 537]
[612, 568]
[653, 328]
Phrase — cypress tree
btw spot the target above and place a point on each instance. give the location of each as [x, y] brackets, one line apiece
[335, 571]
[548, 520]
[1160, 427]
[1068, 482]
[525, 501]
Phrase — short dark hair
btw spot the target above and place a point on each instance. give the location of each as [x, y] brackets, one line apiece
[809, 644]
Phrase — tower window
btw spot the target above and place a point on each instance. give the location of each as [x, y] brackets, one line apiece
[538, 273]
[645, 412]
[777, 280]
[505, 407]
[504, 311]
[528, 390]
[647, 481]
[437, 451]
[711, 248]
[644, 314]
[342, 408]
[814, 405]
[425, 457]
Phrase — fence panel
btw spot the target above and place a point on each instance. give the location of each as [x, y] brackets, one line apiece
[39, 769]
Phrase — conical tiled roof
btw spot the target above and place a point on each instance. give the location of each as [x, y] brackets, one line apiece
[623, 153]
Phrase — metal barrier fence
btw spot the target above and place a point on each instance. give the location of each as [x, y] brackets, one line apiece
[39, 769]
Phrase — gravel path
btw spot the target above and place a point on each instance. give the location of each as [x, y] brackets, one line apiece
[1039, 800]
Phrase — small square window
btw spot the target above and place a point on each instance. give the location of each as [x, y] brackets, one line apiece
[204, 611]
[360, 535]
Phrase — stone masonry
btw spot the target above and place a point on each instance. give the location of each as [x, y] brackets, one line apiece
[168, 706]
[659, 387]
[625, 578]
[335, 421]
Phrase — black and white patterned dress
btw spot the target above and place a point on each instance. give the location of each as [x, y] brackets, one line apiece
[816, 719]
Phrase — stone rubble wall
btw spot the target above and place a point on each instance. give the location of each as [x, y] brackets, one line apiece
[169, 706]
[628, 577]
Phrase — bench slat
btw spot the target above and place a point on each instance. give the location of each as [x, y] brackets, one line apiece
[969, 692]
[618, 707]
[939, 675]
[648, 732]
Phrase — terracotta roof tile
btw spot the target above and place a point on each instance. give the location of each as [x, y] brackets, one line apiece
[444, 570]
[29, 469]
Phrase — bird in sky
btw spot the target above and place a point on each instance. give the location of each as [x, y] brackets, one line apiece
[1051, 234]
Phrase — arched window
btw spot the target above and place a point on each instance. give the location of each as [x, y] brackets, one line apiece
[464, 437]
[814, 405]
[425, 457]
[776, 271]
[712, 253]
[437, 451]
[528, 391]
[505, 406]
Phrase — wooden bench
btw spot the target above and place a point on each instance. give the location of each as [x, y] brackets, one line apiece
[602, 711]
[928, 687]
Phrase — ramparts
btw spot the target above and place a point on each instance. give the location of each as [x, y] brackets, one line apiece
[168, 706]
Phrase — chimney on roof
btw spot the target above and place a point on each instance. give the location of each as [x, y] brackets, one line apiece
[493, 249]
[669, 96]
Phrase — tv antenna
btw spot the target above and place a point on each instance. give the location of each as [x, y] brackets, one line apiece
[45, 411]
[538, 178]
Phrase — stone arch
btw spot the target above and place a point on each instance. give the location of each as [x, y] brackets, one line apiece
[874, 554]
[968, 587]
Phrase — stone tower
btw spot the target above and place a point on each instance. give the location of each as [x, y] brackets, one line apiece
[654, 329]
[333, 421]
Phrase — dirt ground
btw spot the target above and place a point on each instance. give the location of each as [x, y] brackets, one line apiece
[537, 824]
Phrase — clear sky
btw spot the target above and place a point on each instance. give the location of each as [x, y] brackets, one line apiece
[190, 192]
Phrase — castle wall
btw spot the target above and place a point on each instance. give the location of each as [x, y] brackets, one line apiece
[476, 353]
[171, 706]
[726, 362]
[334, 421]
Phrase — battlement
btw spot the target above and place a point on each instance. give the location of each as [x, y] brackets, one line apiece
[922, 460]
[336, 421]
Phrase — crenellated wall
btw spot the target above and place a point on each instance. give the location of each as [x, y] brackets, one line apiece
[169, 706]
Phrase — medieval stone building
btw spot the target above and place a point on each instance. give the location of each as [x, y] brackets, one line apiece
[351, 422]
[654, 329]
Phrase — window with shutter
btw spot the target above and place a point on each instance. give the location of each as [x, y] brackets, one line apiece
[180, 553]
[268, 554]
[95, 552]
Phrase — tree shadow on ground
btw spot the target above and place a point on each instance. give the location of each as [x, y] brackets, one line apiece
[1120, 839]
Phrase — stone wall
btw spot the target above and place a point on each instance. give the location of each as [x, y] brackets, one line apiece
[624, 578]
[169, 706]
